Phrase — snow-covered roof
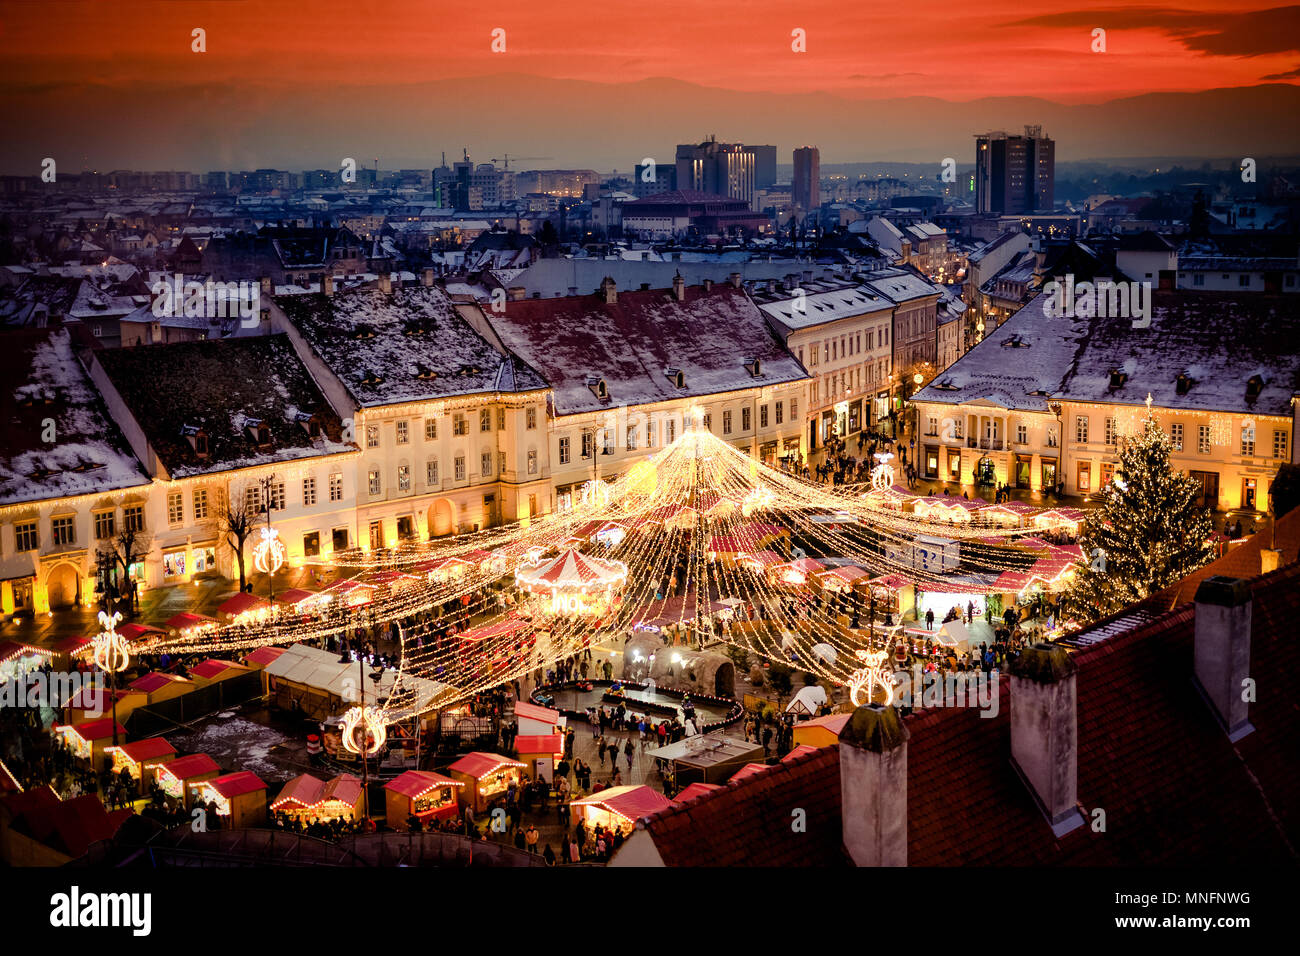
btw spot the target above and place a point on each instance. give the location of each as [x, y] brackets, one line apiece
[633, 342]
[406, 346]
[900, 285]
[87, 454]
[849, 300]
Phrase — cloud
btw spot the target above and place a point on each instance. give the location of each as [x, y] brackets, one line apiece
[1215, 32]
[1288, 75]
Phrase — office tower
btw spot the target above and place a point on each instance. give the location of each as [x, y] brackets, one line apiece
[723, 169]
[764, 166]
[806, 189]
[1015, 175]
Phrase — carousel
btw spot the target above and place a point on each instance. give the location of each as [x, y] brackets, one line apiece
[573, 583]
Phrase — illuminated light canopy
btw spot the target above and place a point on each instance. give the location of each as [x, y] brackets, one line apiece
[268, 553]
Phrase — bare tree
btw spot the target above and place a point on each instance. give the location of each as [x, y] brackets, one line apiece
[235, 523]
[126, 548]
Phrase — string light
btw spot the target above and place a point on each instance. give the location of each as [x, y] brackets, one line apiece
[268, 553]
[109, 648]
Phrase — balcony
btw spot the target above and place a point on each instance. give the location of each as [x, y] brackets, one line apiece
[986, 444]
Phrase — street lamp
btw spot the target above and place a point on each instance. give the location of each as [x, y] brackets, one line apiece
[111, 653]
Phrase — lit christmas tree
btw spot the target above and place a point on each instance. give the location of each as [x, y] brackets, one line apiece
[1148, 533]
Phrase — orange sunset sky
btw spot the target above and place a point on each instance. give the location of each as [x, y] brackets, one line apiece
[61, 54]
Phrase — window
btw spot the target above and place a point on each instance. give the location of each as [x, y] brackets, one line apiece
[1107, 473]
[63, 530]
[670, 428]
[708, 421]
[106, 523]
[403, 433]
[564, 451]
[200, 503]
[485, 419]
[376, 485]
[277, 496]
[1203, 439]
[501, 419]
[794, 409]
[588, 444]
[532, 461]
[431, 429]
[336, 487]
[133, 517]
[1085, 476]
[1022, 434]
[308, 492]
[376, 535]
[1081, 428]
[372, 436]
[631, 438]
[1243, 279]
[1279, 444]
[530, 417]
[175, 507]
[406, 527]
[609, 441]
[762, 416]
[1110, 431]
[431, 471]
[649, 434]
[780, 412]
[253, 499]
[932, 425]
[1198, 279]
[745, 419]
[501, 463]
[339, 538]
[311, 544]
[726, 422]
[403, 477]
[1248, 440]
[460, 467]
[459, 426]
[1176, 436]
[25, 536]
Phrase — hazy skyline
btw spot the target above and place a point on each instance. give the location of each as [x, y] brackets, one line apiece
[116, 85]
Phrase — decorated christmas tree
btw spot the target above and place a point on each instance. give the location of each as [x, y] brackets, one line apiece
[1148, 533]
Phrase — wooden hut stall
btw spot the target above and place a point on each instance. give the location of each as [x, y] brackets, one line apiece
[134, 756]
[189, 624]
[318, 683]
[541, 752]
[1069, 520]
[309, 798]
[240, 798]
[794, 573]
[706, 758]
[67, 651]
[760, 562]
[301, 601]
[820, 731]
[175, 776]
[535, 719]
[617, 808]
[214, 670]
[485, 777]
[18, 659]
[894, 594]
[89, 739]
[839, 579]
[158, 686]
[1008, 514]
[421, 794]
[245, 608]
[258, 661]
[348, 592]
[91, 703]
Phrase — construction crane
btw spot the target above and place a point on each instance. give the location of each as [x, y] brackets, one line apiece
[506, 159]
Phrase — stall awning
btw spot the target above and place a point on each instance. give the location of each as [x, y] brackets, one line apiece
[237, 784]
[416, 783]
[186, 619]
[479, 764]
[630, 802]
[241, 603]
[150, 749]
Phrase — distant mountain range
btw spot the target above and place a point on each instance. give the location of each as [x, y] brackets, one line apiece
[593, 125]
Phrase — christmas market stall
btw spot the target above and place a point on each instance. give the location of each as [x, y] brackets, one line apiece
[240, 798]
[485, 776]
[93, 702]
[158, 686]
[307, 798]
[245, 608]
[705, 758]
[541, 752]
[421, 794]
[214, 670]
[89, 740]
[133, 758]
[617, 808]
[174, 776]
[820, 731]
[535, 719]
[188, 624]
[18, 659]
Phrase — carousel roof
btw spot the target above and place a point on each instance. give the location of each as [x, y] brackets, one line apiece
[572, 569]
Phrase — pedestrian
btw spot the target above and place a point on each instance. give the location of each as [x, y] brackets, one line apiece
[600, 749]
[629, 750]
[531, 837]
[549, 855]
[929, 619]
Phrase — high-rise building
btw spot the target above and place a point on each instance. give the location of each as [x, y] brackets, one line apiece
[806, 189]
[1015, 175]
[764, 166]
[722, 169]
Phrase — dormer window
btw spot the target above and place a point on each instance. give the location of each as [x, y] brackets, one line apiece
[370, 378]
[424, 373]
[1253, 387]
[1117, 378]
[676, 376]
[201, 444]
[754, 367]
[363, 332]
[1183, 384]
[263, 433]
[598, 387]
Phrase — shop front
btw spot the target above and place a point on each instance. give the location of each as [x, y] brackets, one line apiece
[1050, 480]
[421, 794]
[930, 461]
[1023, 477]
[855, 417]
[485, 777]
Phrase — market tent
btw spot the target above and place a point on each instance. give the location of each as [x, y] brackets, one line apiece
[806, 700]
[242, 603]
[628, 803]
[760, 561]
[842, 577]
[186, 620]
[133, 632]
[824, 652]
[955, 635]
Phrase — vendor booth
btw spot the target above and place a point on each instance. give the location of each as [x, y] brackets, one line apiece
[244, 608]
[541, 752]
[175, 775]
[240, 798]
[485, 777]
[18, 659]
[307, 798]
[158, 686]
[421, 794]
[535, 719]
[705, 758]
[188, 624]
[214, 670]
[134, 757]
[91, 703]
[617, 808]
[89, 740]
[820, 731]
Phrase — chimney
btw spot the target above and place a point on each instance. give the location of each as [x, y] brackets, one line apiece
[1045, 732]
[386, 283]
[1270, 559]
[679, 288]
[327, 284]
[517, 293]
[428, 277]
[708, 285]
[873, 786]
[735, 280]
[609, 288]
[1222, 649]
[267, 288]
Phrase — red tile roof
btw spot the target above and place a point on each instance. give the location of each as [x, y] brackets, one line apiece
[69, 826]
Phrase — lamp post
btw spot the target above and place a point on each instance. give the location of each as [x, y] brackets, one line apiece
[111, 654]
